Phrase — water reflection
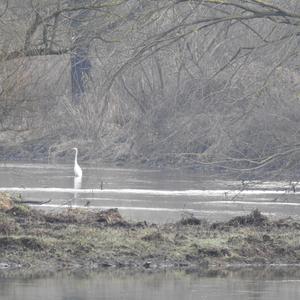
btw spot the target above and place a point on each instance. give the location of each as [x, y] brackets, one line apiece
[265, 284]
[77, 185]
[153, 195]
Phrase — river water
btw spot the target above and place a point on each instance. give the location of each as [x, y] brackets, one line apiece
[156, 196]
[152, 195]
[251, 285]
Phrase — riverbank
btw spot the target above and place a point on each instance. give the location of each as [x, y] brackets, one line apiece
[33, 241]
[42, 150]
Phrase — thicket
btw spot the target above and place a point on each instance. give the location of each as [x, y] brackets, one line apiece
[193, 83]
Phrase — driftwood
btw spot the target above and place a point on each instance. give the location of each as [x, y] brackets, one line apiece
[35, 202]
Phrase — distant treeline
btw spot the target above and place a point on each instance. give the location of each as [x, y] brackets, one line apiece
[207, 83]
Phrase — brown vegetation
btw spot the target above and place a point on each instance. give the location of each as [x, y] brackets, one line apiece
[6, 202]
[195, 83]
[33, 241]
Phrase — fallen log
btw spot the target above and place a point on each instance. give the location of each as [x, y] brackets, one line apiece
[35, 202]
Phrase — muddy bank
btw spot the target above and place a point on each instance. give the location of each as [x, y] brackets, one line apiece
[33, 241]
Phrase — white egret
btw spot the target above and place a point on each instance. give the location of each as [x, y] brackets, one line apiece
[77, 169]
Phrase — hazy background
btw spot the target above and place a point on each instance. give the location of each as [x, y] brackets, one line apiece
[206, 84]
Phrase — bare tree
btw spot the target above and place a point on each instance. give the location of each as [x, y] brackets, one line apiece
[203, 82]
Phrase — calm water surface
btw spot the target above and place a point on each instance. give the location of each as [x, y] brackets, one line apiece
[263, 285]
[152, 195]
[155, 196]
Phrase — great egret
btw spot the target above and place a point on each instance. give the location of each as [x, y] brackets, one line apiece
[77, 169]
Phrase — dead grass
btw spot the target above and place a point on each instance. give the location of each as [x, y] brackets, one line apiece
[6, 202]
[93, 239]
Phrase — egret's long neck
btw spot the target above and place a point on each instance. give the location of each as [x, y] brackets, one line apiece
[75, 161]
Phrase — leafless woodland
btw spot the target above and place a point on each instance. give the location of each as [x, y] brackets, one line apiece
[204, 83]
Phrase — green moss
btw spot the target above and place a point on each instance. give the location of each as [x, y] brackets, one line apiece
[20, 210]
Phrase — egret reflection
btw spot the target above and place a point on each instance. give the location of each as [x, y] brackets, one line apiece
[77, 185]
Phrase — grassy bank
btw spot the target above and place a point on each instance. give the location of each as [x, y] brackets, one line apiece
[35, 241]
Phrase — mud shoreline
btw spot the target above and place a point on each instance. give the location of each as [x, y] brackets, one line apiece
[34, 241]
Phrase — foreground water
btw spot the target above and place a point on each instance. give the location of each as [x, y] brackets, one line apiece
[151, 195]
[249, 285]
[156, 196]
